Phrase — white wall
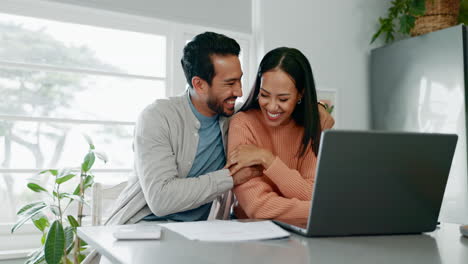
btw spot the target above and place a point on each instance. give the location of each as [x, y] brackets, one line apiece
[225, 14]
[335, 36]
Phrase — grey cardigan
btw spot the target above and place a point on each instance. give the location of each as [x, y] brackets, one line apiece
[165, 144]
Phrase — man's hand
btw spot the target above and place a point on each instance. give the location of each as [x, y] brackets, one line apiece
[244, 156]
[247, 173]
[326, 119]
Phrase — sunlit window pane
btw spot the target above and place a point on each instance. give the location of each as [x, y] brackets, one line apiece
[40, 41]
[14, 194]
[75, 96]
[51, 145]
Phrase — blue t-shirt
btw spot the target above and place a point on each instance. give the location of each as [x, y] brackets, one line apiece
[210, 157]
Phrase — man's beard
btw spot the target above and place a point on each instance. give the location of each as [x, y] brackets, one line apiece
[217, 107]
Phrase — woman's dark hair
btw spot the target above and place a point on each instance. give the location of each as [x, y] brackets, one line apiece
[306, 114]
[196, 60]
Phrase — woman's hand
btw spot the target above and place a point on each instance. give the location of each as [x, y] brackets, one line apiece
[248, 155]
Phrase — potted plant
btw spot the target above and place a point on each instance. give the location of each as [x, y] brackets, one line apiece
[60, 243]
[417, 17]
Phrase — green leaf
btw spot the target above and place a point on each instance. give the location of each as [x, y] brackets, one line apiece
[27, 216]
[70, 248]
[43, 238]
[83, 248]
[69, 237]
[376, 35]
[417, 7]
[389, 37]
[77, 190]
[81, 257]
[102, 156]
[88, 182]
[463, 16]
[406, 23]
[55, 243]
[64, 178]
[74, 197]
[403, 10]
[64, 171]
[88, 162]
[41, 222]
[73, 221]
[36, 257]
[83, 243]
[89, 141]
[53, 172]
[33, 210]
[55, 210]
[36, 187]
[25, 208]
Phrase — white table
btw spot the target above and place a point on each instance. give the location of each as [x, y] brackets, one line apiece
[445, 245]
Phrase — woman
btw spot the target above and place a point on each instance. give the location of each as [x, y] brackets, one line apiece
[278, 129]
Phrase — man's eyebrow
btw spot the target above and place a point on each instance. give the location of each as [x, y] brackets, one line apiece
[233, 79]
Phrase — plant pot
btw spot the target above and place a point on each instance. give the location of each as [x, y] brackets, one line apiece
[439, 14]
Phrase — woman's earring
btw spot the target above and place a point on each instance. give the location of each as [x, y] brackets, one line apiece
[300, 101]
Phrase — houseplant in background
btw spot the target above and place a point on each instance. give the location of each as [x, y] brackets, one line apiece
[59, 241]
[417, 17]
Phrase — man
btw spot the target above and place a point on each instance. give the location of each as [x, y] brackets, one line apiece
[179, 142]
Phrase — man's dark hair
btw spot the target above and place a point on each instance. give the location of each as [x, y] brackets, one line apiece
[196, 60]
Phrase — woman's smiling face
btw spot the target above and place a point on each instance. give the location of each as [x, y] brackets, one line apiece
[277, 97]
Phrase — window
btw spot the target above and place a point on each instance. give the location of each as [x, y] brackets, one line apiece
[61, 76]
[59, 80]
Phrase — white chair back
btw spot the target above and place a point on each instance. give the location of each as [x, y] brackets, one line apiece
[103, 197]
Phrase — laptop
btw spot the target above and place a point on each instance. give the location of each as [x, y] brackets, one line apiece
[377, 183]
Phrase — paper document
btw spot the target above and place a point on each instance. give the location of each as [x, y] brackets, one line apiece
[227, 230]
